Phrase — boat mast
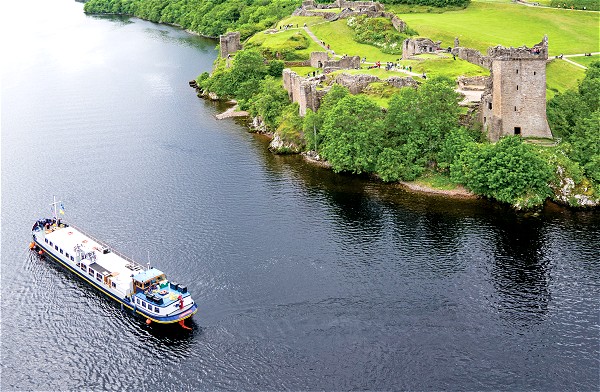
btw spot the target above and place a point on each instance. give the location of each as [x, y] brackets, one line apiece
[54, 207]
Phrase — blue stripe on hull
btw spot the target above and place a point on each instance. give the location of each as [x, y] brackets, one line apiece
[163, 320]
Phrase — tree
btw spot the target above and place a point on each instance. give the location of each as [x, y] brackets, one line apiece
[510, 171]
[352, 135]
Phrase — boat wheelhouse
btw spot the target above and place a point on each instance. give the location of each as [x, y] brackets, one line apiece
[144, 290]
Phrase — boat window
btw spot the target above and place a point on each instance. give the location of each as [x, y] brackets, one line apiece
[66, 254]
[51, 243]
[61, 251]
[46, 239]
[56, 247]
[143, 304]
[137, 300]
[113, 284]
[83, 267]
[156, 309]
[98, 276]
[91, 272]
[72, 258]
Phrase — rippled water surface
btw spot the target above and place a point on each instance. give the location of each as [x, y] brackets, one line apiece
[305, 279]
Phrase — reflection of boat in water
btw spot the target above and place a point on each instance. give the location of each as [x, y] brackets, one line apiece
[146, 291]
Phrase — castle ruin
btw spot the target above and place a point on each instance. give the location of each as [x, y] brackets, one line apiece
[229, 43]
[413, 46]
[514, 101]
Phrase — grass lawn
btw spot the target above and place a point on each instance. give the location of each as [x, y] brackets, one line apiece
[380, 93]
[339, 36]
[561, 76]
[281, 40]
[485, 24]
[300, 20]
[585, 60]
[303, 71]
[446, 66]
[436, 181]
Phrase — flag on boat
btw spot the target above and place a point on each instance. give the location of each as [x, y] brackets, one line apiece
[62, 209]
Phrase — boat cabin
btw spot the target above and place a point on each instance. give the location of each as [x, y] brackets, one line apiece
[150, 278]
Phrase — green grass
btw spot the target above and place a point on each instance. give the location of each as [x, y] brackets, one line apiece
[585, 60]
[380, 93]
[446, 66]
[300, 20]
[436, 181]
[339, 36]
[303, 71]
[280, 41]
[561, 76]
[485, 24]
[436, 66]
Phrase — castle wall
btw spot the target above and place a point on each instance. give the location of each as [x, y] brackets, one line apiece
[230, 43]
[473, 56]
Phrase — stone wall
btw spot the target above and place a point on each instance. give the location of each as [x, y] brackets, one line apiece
[304, 90]
[301, 90]
[230, 43]
[413, 46]
[473, 56]
[318, 59]
[400, 82]
[322, 60]
[473, 83]
[355, 83]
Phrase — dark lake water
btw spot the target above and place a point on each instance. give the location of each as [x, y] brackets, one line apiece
[305, 280]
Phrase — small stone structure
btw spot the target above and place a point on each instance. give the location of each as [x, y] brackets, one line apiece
[230, 43]
[322, 60]
[413, 46]
[514, 101]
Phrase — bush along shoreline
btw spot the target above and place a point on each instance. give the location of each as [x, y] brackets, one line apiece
[419, 136]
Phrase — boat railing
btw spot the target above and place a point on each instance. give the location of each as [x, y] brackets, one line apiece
[102, 243]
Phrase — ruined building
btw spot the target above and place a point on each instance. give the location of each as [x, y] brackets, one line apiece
[514, 101]
[413, 46]
[229, 43]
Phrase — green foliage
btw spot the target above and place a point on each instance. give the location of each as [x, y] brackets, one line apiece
[270, 102]
[509, 171]
[575, 117]
[378, 32]
[290, 128]
[422, 118]
[241, 80]
[207, 17]
[352, 135]
[590, 5]
[275, 67]
[454, 144]
[311, 127]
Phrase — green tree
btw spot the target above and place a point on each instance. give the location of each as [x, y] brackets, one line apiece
[352, 134]
[509, 171]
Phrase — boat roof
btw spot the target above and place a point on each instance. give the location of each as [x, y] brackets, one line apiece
[120, 268]
[147, 274]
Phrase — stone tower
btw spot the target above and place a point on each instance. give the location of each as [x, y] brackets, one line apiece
[230, 43]
[514, 102]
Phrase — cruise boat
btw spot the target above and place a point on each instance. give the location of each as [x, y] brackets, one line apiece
[144, 290]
